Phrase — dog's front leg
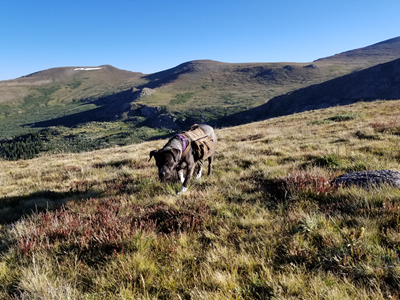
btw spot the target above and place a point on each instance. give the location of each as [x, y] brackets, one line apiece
[180, 174]
[189, 175]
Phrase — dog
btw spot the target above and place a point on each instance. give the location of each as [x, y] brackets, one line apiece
[179, 154]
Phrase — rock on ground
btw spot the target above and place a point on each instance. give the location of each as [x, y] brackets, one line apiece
[369, 178]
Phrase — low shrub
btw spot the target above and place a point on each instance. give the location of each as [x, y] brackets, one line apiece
[390, 127]
[344, 117]
[302, 182]
[336, 118]
[103, 224]
[331, 161]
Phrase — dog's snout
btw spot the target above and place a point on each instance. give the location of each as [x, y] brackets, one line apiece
[163, 173]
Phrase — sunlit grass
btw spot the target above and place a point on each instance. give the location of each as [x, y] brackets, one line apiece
[267, 224]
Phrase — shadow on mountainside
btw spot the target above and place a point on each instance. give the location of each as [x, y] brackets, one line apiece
[380, 82]
[111, 107]
[108, 109]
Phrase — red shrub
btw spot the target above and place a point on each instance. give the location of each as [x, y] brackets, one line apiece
[99, 223]
[391, 127]
[306, 182]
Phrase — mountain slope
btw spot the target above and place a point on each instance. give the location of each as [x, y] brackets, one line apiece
[378, 82]
[377, 53]
[72, 83]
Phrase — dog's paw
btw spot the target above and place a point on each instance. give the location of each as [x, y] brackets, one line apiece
[198, 176]
[183, 189]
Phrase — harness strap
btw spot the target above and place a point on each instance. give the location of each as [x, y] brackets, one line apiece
[185, 149]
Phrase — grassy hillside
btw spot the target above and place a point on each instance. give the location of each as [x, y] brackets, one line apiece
[213, 83]
[67, 84]
[198, 89]
[56, 93]
[266, 225]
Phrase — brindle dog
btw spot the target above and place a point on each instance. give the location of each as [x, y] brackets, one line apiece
[169, 158]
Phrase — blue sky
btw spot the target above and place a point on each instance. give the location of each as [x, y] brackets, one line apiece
[153, 35]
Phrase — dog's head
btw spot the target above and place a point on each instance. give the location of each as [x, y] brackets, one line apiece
[166, 161]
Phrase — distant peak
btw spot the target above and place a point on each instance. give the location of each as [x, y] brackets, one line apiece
[390, 41]
[377, 53]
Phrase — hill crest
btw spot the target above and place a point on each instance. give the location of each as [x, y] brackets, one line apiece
[380, 52]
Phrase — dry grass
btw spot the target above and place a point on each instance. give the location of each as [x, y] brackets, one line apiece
[266, 225]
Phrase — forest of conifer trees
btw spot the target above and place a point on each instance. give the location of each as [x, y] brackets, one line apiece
[23, 147]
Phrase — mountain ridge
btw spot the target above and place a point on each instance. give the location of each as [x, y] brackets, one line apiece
[382, 52]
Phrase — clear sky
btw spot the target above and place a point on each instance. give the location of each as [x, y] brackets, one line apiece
[153, 35]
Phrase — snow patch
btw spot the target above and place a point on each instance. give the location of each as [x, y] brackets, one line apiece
[86, 69]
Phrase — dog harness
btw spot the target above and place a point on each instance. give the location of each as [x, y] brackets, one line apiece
[185, 149]
[203, 146]
[183, 143]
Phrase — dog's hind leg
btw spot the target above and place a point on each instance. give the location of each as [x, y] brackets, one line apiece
[210, 162]
[198, 176]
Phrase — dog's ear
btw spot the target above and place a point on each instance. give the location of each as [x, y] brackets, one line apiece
[175, 153]
[153, 153]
